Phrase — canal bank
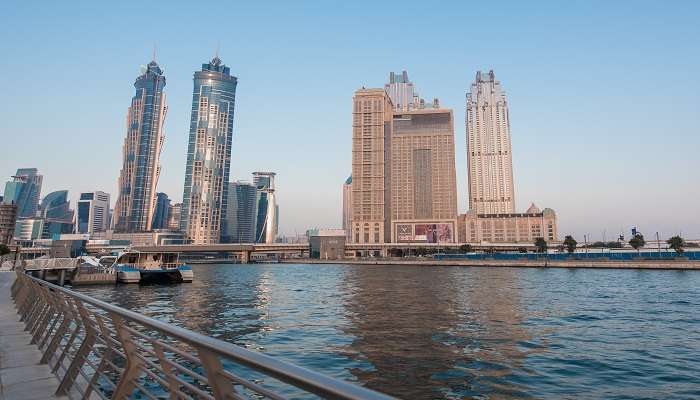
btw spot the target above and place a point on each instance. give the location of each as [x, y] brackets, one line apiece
[523, 263]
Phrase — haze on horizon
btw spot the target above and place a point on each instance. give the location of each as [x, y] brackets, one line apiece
[603, 97]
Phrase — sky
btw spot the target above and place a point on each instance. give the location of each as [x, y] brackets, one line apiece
[604, 97]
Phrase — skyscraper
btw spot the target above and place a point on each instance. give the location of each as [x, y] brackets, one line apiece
[241, 213]
[161, 217]
[133, 211]
[492, 217]
[267, 218]
[93, 212]
[24, 191]
[174, 217]
[489, 158]
[55, 205]
[347, 207]
[371, 166]
[209, 153]
[423, 176]
[401, 92]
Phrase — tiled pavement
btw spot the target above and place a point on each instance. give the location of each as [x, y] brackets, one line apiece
[21, 375]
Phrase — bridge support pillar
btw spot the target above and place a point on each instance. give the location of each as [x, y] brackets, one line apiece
[244, 257]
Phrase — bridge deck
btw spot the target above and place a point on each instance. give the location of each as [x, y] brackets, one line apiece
[21, 375]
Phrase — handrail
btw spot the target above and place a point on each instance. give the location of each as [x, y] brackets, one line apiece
[77, 332]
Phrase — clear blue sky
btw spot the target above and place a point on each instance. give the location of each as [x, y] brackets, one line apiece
[604, 96]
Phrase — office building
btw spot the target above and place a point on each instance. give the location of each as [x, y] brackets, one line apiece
[56, 206]
[492, 216]
[209, 153]
[92, 212]
[8, 217]
[489, 157]
[135, 204]
[174, 217]
[161, 216]
[371, 166]
[241, 213]
[401, 92]
[347, 207]
[27, 229]
[24, 190]
[267, 219]
[423, 176]
[510, 228]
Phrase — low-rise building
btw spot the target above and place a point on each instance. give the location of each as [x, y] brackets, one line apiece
[508, 228]
[327, 244]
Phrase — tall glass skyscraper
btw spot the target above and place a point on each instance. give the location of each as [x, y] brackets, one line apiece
[55, 205]
[209, 153]
[162, 214]
[24, 191]
[134, 208]
[241, 212]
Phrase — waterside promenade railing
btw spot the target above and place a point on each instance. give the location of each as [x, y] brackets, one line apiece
[98, 350]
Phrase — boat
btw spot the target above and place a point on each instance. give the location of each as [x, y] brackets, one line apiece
[151, 267]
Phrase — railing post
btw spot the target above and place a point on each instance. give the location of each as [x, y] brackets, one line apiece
[60, 332]
[80, 356]
[220, 386]
[168, 370]
[127, 382]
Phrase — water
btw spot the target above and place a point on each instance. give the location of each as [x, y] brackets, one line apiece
[419, 332]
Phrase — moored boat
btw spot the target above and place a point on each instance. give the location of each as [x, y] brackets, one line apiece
[151, 267]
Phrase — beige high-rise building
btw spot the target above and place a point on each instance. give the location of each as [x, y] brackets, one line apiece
[489, 158]
[371, 168]
[423, 182]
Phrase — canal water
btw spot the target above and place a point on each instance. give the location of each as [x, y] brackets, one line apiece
[420, 332]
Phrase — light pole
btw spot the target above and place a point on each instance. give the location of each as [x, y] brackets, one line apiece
[658, 244]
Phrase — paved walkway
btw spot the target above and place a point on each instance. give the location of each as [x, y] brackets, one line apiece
[21, 375]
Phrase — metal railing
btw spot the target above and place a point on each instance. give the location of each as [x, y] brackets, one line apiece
[98, 350]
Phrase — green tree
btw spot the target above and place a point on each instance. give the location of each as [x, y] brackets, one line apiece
[676, 243]
[466, 248]
[570, 243]
[637, 242]
[4, 249]
[541, 245]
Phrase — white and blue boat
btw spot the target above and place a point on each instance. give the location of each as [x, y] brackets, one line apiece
[151, 267]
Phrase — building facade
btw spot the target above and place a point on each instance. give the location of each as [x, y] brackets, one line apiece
[510, 228]
[56, 206]
[161, 216]
[371, 166]
[174, 216]
[423, 176]
[489, 157]
[209, 153]
[24, 190]
[267, 219]
[492, 217]
[135, 204]
[241, 213]
[92, 213]
[402, 92]
[8, 217]
[347, 207]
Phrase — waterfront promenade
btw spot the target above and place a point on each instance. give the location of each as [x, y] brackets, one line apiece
[516, 263]
[22, 377]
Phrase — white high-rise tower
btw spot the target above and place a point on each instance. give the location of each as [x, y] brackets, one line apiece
[489, 158]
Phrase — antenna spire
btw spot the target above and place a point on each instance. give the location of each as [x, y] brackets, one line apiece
[154, 52]
[218, 45]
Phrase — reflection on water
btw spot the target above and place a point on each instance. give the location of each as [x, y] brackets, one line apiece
[451, 332]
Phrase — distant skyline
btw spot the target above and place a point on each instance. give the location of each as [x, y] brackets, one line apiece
[603, 97]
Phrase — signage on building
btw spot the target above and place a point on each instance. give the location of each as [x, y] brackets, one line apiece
[425, 233]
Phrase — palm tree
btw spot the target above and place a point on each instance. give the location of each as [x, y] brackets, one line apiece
[541, 245]
[570, 243]
[676, 243]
